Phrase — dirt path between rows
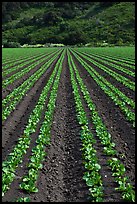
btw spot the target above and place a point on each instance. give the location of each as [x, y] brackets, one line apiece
[19, 81]
[122, 132]
[14, 125]
[14, 192]
[114, 69]
[128, 92]
[61, 178]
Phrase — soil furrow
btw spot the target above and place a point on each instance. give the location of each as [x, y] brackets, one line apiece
[122, 132]
[16, 121]
[25, 60]
[19, 81]
[108, 181]
[22, 168]
[115, 63]
[61, 178]
[113, 81]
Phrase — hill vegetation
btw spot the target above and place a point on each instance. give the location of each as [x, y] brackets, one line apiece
[70, 23]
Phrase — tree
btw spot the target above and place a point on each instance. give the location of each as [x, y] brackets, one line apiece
[75, 37]
[8, 44]
[51, 18]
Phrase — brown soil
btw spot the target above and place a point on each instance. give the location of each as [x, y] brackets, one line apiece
[60, 180]
[15, 123]
[19, 63]
[115, 70]
[122, 132]
[19, 81]
[116, 62]
[113, 81]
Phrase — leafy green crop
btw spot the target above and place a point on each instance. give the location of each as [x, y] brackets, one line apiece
[118, 168]
[92, 174]
[106, 87]
[26, 199]
[125, 81]
[8, 105]
[15, 157]
[110, 62]
[38, 152]
[8, 71]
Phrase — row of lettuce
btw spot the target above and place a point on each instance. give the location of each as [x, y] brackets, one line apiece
[10, 102]
[29, 66]
[107, 87]
[13, 160]
[14, 67]
[92, 175]
[118, 77]
[126, 104]
[16, 55]
[114, 64]
[118, 54]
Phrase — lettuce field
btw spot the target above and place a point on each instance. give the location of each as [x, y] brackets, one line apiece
[68, 124]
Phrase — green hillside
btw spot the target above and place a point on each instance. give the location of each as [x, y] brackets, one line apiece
[69, 23]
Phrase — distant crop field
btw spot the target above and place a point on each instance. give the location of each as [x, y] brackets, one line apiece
[68, 124]
[127, 53]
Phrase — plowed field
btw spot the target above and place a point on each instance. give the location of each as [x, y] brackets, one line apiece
[68, 127]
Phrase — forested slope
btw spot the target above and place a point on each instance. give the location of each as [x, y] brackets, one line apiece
[69, 23]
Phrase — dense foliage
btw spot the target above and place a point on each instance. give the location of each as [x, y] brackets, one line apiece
[69, 23]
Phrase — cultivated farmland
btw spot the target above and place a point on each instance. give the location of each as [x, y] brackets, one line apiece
[68, 125]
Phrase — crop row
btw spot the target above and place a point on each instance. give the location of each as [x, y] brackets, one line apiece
[10, 102]
[19, 74]
[15, 55]
[125, 54]
[18, 67]
[128, 83]
[115, 90]
[18, 89]
[13, 58]
[110, 63]
[111, 59]
[111, 91]
[38, 152]
[15, 65]
[24, 63]
[10, 165]
[118, 169]
[114, 60]
[92, 174]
